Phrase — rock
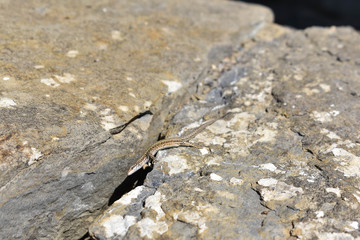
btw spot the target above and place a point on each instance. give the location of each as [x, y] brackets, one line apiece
[85, 88]
[285, 164]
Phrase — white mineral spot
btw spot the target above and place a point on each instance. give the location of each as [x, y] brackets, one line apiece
[154, 202]
[90, 106]
[147, 104]
[357, 196]
[47, 95]
[268, 135]
[78, 204]
[128, 197]
[270, 77]
[268, 166]
[204, 151]
[334, 113]
[350, 163]
[274, 125]
[215, 177]
[116, 35]
[136, 108]
[354, 225]
[106, 111]
[116, 225]
[320, 214]
[266, 182]
[298, 77]
[129, 78]
[88, 187]
[334, 236]
[325, 87]
[7, 102]
[260, 97]
[337, 191]
[67, 78]
[321, 116]
[219, 127]
[132, 94]
[202, 227]
[279, 192]
[198, 189]
[108, 122]
[65, 172]
[194, 217]
[214, 161]
[50, 82]
[236, 181]
[72, 53]
[6, 78]
[148, 227]
[35, 156]
[39, 66]
[247, 103]
[172, 85]
[124, 108]
[310, 92]
[329, 134]
[218, 140]
[175, 163]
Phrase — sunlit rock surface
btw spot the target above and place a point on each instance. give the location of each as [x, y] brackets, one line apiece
[284, 165]
[73, 71]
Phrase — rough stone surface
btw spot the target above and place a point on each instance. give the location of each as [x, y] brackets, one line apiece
[284, 165]
[70, 72]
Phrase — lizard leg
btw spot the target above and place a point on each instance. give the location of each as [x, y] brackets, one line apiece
[152, 157]
[148, 163]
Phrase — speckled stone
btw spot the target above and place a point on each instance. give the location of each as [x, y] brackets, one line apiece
[71, 72]
[285, 164]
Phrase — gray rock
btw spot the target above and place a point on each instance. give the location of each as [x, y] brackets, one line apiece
[70, 73]
[285, 164]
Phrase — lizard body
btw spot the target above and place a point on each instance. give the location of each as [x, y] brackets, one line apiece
[168, 143]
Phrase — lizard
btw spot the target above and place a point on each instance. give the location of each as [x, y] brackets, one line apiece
[143, 161]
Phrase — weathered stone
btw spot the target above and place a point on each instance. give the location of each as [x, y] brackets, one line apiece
[70, 72]
[285, 164]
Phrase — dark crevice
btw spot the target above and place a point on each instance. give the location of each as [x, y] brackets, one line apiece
[119, 129]
[86, 237]
[130, 182]
[94, 145]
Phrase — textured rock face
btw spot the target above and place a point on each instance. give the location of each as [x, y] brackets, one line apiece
[71, 71]
[284, 165]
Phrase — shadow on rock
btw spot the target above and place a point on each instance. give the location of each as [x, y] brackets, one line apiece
[130, 182]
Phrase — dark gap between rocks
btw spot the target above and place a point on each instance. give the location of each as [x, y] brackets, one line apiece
[130, 182]
[119, 129]
[85, 237]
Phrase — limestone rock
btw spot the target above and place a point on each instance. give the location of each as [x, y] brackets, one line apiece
[85, 87]
[284, 165]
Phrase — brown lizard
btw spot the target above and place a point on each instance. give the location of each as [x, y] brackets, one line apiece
[143, 161]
